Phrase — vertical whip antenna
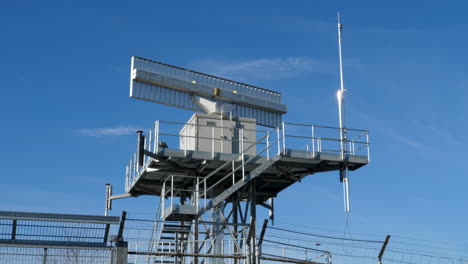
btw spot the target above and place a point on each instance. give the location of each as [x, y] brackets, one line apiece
[343, 136]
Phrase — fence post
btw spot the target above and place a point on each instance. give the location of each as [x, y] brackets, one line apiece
[382, 250]
[44, 256]
[121, 253]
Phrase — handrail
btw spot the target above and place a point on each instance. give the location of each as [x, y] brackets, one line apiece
[360, 135]
[172, 191]
[155, 238]
[239, 167]
[298, 124]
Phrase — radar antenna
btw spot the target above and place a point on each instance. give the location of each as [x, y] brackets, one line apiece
[343, 135]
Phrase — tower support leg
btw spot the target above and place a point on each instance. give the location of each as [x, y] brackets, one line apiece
[217, 232]
[235, 206]
[253, 224]
[195, 238]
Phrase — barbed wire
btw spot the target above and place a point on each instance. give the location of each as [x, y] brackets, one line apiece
[353, 249]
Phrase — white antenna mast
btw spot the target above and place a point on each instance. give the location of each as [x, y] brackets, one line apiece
[343, 136]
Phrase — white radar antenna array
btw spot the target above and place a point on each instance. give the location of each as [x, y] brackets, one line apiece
[183, 88]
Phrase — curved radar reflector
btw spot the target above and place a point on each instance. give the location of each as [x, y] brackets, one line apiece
[171, 85]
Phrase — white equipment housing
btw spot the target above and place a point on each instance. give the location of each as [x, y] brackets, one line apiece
[213, 133]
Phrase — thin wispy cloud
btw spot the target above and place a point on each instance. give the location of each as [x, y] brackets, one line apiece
[114, 131]
[289, 24]
[445, 134]
[397, 135]
[263, 68]
[406, 140]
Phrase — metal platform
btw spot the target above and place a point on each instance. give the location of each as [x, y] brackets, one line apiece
[290, 167]
[181, 212]
[287, 154]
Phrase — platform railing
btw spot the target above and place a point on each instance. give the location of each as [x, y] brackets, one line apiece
[316, 139]
[171, 190]
[288, 136]
[132, 172]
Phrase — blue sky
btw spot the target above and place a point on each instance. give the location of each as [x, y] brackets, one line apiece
[68, 124]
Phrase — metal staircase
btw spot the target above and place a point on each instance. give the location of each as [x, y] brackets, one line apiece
[172, 241]
[241, 183]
